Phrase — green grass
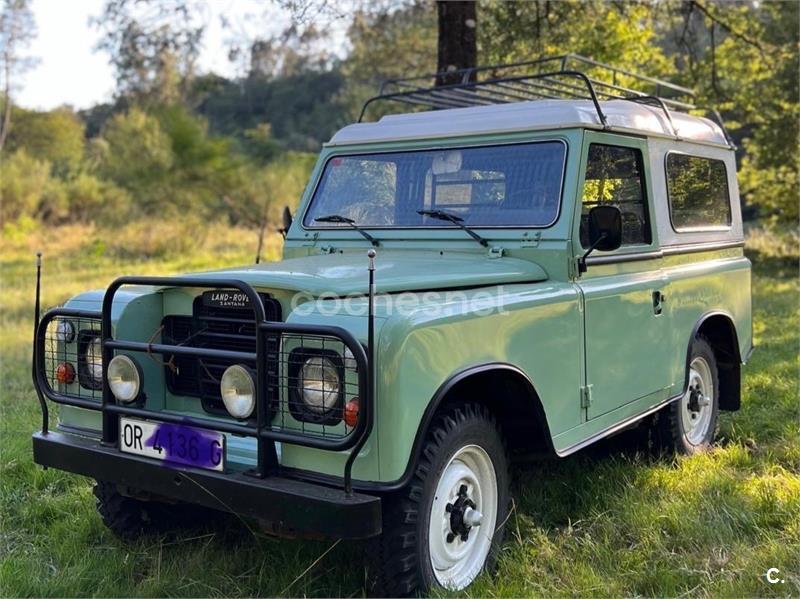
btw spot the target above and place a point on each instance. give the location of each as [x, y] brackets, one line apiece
[607, 522]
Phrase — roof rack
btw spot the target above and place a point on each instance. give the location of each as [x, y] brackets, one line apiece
[567, 76]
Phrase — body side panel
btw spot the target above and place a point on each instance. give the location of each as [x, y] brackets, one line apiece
[700, 283]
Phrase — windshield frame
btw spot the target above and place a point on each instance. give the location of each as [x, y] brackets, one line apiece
[365, 151]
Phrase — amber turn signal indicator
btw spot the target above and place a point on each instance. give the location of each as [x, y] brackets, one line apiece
[351, 412]
[65, 373]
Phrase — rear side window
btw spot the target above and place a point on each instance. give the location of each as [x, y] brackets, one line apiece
[614, 175]
[698, 192]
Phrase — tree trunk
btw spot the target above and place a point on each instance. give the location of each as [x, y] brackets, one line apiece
[457, 40]
[5, 125]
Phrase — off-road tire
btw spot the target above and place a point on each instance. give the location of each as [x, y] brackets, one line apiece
[398, 561]
[669, 434]
[130, 519]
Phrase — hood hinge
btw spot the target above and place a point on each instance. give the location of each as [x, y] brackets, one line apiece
[496, 251]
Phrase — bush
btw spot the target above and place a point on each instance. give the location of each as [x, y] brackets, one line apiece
[56, 136]
[137, 155]
[25, 184]
[152, 239]
[93, 200]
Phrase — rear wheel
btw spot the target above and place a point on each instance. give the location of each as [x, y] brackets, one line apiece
[445, 528]
[689, 424]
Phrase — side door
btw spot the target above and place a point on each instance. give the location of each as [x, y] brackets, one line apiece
[626, 321]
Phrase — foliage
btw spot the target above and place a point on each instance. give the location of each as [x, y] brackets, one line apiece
[753, 77]
[92, 199]
[153, 46]
[622, 34]
[135, 152]
[386, 45]
[301, 110]
[17, 30]
[172, 142]
[159, 163]
[294, 52]
[25, 182]
[265, 191]
[56, 136]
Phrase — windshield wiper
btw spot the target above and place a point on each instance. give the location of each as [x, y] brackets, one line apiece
[338, 218]
[456, 220]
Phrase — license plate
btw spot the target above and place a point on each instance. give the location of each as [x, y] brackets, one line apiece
[173, 443]
[225, 299]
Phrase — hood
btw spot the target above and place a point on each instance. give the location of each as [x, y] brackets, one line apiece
[395, 271]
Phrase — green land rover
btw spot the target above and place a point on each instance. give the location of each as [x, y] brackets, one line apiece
[538, 259]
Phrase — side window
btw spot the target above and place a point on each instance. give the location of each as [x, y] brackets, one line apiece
[698, 193]
[614, 175]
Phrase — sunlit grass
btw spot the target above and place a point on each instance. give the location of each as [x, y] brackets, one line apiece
[608, 522]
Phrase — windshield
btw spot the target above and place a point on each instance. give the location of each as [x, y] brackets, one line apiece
[509, 185]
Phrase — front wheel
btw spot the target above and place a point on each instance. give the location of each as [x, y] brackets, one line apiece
[130, 518]
[444, 529]
[689, 424]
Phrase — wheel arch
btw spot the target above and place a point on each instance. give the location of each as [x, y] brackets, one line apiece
[719, 329]
[519, 399]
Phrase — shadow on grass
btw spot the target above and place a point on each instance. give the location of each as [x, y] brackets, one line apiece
[779, 267]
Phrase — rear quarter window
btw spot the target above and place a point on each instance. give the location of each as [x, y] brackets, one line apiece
[697, 188]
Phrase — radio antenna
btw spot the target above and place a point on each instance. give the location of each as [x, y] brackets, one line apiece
[34, 366]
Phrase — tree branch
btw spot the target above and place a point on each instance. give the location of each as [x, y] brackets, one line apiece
[727, 27]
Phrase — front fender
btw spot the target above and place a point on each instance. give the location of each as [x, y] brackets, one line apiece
[535, 328]
[131, 307]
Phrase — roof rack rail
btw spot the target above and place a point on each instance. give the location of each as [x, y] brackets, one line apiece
[567, 76]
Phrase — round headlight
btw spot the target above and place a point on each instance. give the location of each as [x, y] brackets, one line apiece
[65, 331]
[238, 391]
[319, 384]
[124, 378]
[94, 360]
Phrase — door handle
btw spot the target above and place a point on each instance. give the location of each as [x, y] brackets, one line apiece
[658, 302]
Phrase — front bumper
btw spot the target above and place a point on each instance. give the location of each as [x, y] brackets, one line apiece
[290, 504]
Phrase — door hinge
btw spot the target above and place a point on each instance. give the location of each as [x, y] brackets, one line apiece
[586, 396]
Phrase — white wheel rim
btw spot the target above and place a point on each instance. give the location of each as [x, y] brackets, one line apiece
[697, 405]
[457, 562]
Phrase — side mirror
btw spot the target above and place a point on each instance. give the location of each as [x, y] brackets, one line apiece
[605, 232]
[287, 220]
[605, 228]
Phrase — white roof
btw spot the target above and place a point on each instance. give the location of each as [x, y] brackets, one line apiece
[622, 115]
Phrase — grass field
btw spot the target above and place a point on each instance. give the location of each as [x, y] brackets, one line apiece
[608, 522]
